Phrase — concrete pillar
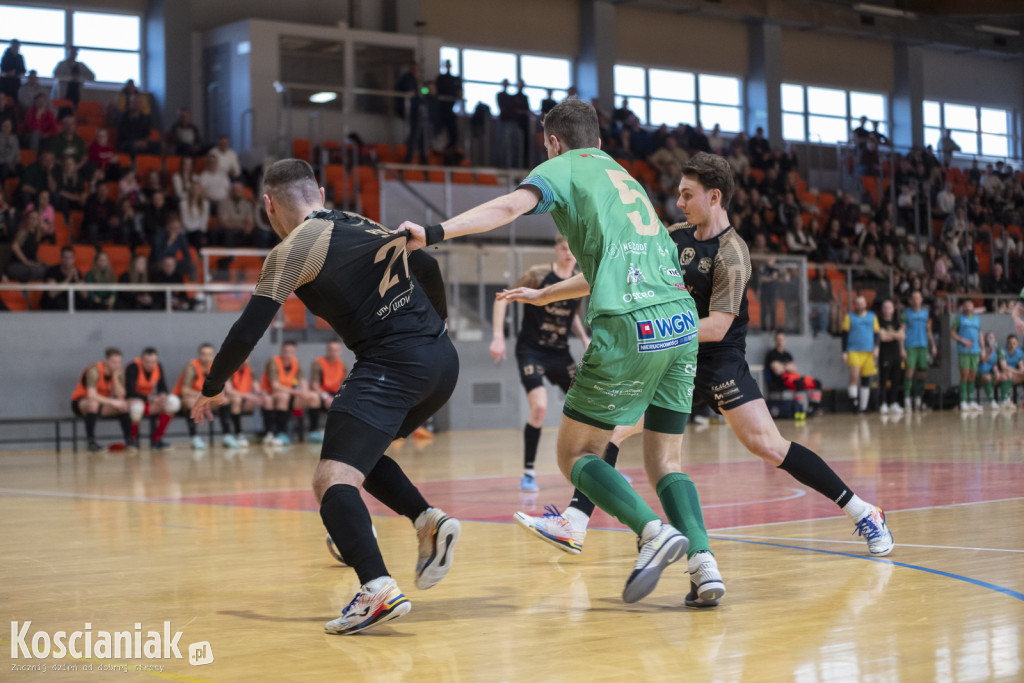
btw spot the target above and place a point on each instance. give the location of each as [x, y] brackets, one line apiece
[764, 81]
[596, 61]
[908, 96]
[168, 58]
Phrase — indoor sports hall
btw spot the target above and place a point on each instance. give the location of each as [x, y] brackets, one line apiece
[875, 150]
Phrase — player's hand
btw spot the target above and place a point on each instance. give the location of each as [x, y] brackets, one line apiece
[523, 295]
[202, 409]
[935, 351]
[874, 353]
[417, 235]
[903, 354]
[119, 404]
[968, 343]
[846, 357]
[498, 350]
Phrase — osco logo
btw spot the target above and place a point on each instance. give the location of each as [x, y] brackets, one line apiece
[638, 295]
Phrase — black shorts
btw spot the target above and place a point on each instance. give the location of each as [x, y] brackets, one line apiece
[723, 380]
[385, 398]
[536, 364]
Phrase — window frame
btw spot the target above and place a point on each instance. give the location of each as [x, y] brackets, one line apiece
[979, 133]
[849, 117]
[459, 67]
[696, 103]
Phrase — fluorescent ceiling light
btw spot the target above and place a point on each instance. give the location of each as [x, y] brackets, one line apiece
[883, 11]
[997, 30]
[323, 97]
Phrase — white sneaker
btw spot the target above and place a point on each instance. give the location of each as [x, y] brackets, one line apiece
[376, 602]
[908, 405]
[242, 441]
[198, 443]
[706, 585]
[554, 528]
[656, 554]
[896, 408]
[230, 441]
[873, 528]
[1007, 404]
[993, 405]
[883, 409]
[965, 407]
[976, 407]
[438, 533]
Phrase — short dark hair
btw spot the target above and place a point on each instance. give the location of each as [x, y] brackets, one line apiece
[112, 351]
[290, 182]
[149, 351]
[575, 123]
[713, 173]
[206, 345]
[66, 248]
[289, 342]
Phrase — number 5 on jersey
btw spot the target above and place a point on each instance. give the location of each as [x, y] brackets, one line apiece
[630, 196]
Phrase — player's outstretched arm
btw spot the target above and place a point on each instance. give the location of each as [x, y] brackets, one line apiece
[482, 218]
[571, 288]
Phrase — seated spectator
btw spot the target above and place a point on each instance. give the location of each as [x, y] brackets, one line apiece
[154, 183]
[10, 154]
[103, 156]
[63, 273]
[101, 222]
[715, 141]
[7, 111]
[39, 175]
[29, 90]
[156, 215]
[992, 183]
[101, 392]
[824, 305]
[137, 273]
[69, 76]
[167, 274]
[184, 138]
[133, 130]
[67, 143]
[195, 215]
[873, 269]
[40, 123]
[8, 218]
[888, 258]
[128, 186]
[227, 159]
[123, 102]
[12, 68]
[788, 212]
[25, 265]
[698, 140]
[100, 273]
[847, 213]
[739, 162]
[215, 184]
[668, 155]
[783, 373]
[800, 240]
[47, 215]
[131, 224]
[759, 149]
[997, 282]
[70, 195]
[910, 260]
[171, 241]
[945, 201]
[184, 179]
[235, 218]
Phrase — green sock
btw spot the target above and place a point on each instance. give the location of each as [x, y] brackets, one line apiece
[1007, 389]
[907, 384]
[678, 496]
[918, 386]
[964, 392]
[989, 394]
[609, 491]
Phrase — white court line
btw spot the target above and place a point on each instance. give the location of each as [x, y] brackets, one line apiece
[823, 519]
[829, 540]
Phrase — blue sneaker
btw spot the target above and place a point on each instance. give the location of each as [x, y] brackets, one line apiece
[230, 441]
[528, 483]
[873, 528]
[315, 437]
[283, 440]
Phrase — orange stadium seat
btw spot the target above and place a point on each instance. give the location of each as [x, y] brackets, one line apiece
[10, 185]
[301, 149]
[146, 163]
[486, 179]
[384, 153]
[173, 164]
[91, 113]
[49, 253]
[120, 258]
[87, 133]
[15, 301]
[27, 157]
[61, 230]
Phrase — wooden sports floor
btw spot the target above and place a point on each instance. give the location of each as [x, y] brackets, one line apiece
[229, 547]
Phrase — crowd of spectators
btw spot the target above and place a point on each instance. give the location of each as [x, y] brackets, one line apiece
[51, 176]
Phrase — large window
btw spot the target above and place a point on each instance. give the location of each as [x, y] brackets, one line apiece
[660, 96]
[109, 44]
[482, 72]
[829, 115]
[977, 130]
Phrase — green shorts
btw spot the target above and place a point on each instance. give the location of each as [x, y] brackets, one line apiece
[969, 361]
[917, 358]
[641, 358]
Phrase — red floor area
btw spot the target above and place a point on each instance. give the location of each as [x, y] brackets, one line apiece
[732, 494]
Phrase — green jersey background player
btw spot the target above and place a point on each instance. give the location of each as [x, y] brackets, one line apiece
[917, 344]
[642, 357]
[966, 331]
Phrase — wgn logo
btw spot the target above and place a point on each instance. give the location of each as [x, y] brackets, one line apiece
[666, 333]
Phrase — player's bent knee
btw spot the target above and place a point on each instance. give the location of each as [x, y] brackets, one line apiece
[172, 405]
[136, 409]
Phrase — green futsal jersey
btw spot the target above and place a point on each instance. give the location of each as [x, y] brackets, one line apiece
[623, 250]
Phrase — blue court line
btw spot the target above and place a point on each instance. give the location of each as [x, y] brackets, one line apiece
[977, 582]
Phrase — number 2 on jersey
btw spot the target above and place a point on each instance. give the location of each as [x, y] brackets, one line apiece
[629, 197]
[396, 248]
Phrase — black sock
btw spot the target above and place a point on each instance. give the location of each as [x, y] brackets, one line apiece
[282, 421]
[388, 483]
[90, 426]
[191, 426]
[579, 499]
[531, 437]
[348, 522]
[225, 416]
[126, 425]
[236, 423]
[809, 469]
[268, 422]
[314, 419]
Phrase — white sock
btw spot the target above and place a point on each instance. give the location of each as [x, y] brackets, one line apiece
[577, 520]
[377, 584]
[650, 530]
[857, 508]
[851, 391]
[530, 473]
[420, 520]
[865, 397]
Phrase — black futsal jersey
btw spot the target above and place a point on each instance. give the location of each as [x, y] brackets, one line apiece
[716, 272]
[348, 270]
[545, 328]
